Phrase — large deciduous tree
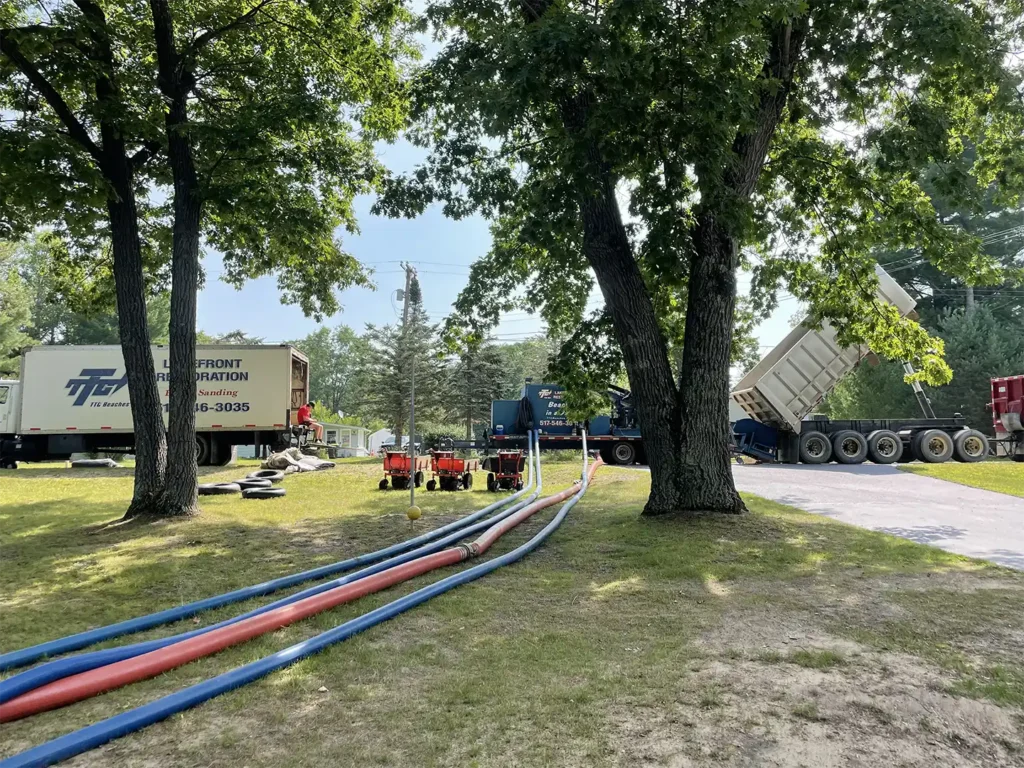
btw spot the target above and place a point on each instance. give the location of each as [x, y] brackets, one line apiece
[259, 116]
[721, 128]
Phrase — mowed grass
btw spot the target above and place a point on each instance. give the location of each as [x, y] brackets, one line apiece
[1000, 476]
[613, 644]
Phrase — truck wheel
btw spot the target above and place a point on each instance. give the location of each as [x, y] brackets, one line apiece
[970, 445]
[934, 446]
[884, 446]
[849, 447]
[202, 450]
[492, 484]
[218, 489]
[8, 463]
[623, 453]
[224, 453]
[467, 481]
[815, 448]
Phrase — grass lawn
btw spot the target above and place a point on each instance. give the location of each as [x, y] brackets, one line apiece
[1000, 476]
[774, 638]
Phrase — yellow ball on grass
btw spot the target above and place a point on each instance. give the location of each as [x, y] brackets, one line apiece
[414, 512]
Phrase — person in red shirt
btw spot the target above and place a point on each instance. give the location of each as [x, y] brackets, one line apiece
[305, 416]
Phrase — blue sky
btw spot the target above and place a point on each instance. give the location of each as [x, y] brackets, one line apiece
[439, 248]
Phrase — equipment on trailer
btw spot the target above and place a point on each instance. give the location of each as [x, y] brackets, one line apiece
[398, 465]
[450, 473]
[506, 470]
[1008, 416]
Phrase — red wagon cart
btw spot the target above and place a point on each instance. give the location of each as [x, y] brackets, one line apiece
[398, 465]
[450, 473]
[506, 471]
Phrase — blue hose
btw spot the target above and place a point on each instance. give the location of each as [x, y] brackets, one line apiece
[25, 656]
[60, 668]
[99, 733]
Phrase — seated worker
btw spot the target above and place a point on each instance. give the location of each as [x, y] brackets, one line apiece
[305, 416]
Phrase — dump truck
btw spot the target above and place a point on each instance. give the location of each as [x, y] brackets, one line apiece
[1008, 416]
[780, 394]
[74, 399]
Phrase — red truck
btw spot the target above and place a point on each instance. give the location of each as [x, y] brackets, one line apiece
[1008, 416]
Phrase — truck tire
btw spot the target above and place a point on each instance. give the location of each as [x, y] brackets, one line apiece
[218, 489]
[606, 454]
[8, 463]
[849, 447]
[969, 446]
[263, 493]
[202, 449]
[418, 478]
[884, 446]
[467, 481]
[815, 448]
[223, 454]
[399, 483]
[933, 446]
[273, 475]
[623, 453]
[492, 483]
[252, 482]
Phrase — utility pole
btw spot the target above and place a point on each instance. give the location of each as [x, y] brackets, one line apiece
[411, 353]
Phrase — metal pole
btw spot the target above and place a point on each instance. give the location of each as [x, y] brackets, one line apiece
[412, 432]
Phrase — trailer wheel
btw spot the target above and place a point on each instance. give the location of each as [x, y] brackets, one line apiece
[815, 448]
[623, 453]
[884, 446]
[202, 450]
[849, 447]
[383, 484]
[519, 485]
[969, 446]
[934, 446]
[8, 463]
[467, 480]
[399, 483]
[419, 479]
[492, 484]
[431, 485]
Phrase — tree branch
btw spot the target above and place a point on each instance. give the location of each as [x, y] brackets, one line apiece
[76, 129]
[148, 151]
[213, 34]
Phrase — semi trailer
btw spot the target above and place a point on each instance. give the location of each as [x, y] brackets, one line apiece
[1008, 416]
[74, 399]
[771, 409]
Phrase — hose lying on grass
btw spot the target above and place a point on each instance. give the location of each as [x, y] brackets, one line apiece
[81, 640]
[32, 679]
[155, 711]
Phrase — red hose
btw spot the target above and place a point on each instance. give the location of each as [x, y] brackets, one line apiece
[85, 684]
[496, 531]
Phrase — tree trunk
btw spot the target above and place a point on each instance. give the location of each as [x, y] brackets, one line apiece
[706, 481]
[133, 327]
[175, 82]
[644, 350]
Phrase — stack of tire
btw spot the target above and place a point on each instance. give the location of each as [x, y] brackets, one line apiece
[256, 485]
[932, 446]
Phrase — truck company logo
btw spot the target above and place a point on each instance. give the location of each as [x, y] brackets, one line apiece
[94, 382]
[544, 394]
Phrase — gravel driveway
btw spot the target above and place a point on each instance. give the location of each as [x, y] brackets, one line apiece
[967, 521]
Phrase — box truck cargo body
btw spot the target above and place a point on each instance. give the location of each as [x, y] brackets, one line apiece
[75, 399]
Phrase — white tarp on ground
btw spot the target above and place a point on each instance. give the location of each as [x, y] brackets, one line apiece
[294, 460]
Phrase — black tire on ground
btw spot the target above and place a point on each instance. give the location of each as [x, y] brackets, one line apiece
[399, 483]
[431, 485]
[492, 484]
[606, 454]
[93, 463]
[218, 489]
[223, 453]
[8, 463]
[273, 475]
[383, 484]
[263, 493]
[202, 449]
[418, 478]
[815, 448]
[623, 453]
[849, 447]
[934, 446]
[884, 446]
[970, 445]
[252, 482]
[467, 480]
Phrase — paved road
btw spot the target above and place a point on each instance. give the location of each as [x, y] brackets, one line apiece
[967, 521]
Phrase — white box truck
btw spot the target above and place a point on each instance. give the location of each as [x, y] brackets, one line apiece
[74, 399]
